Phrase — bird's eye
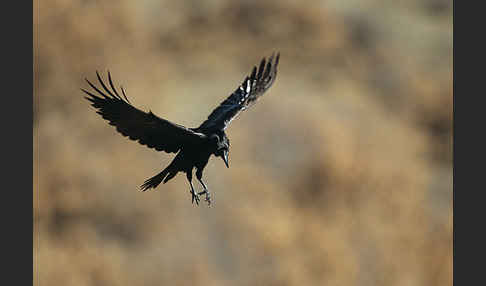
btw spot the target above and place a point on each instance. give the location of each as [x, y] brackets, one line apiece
[214, 138]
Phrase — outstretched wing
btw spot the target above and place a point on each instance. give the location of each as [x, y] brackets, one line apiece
[244, 96]
[146, 128]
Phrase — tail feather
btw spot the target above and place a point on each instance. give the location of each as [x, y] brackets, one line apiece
[154, 181]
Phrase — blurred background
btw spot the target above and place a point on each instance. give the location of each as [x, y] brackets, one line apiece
[340, 175]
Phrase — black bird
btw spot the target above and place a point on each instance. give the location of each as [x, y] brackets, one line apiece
[193, 146]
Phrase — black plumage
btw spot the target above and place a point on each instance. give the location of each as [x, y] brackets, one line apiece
[193, 146]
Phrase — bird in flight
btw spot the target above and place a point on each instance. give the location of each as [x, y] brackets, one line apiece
[193, 146]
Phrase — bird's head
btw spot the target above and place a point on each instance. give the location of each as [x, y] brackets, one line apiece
[222, 148]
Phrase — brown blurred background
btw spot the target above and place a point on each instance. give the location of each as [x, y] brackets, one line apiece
[340, 175]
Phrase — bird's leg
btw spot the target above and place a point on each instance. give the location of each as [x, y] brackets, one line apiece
[195, 197]
[205, 191]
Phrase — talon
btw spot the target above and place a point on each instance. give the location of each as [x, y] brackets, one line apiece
[208, 199]
[205, 190]
[194, 197]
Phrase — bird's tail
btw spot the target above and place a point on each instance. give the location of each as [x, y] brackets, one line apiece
[155, 180]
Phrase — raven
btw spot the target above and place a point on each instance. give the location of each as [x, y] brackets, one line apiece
[193, 146]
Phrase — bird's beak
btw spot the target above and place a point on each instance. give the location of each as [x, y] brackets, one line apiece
[225, 158]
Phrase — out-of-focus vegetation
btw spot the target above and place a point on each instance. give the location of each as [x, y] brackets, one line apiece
[340, 175]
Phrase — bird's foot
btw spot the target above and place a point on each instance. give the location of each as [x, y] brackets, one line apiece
[195, 197]
[208, 196]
